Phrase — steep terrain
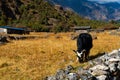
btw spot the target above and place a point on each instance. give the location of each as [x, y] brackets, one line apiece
[42, 15]
[92, 10]
[10, 8]
[36, 14]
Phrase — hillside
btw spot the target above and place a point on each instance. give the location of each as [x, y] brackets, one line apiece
[35, 14]
[41, 15]
[92, 10]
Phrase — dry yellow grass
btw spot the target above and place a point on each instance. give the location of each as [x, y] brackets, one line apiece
[34, 59]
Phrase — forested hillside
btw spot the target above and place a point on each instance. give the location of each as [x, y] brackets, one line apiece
[40, 15]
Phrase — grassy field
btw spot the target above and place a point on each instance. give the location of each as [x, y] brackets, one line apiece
[33, 59]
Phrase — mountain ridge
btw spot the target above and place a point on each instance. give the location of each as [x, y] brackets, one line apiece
[40, 15]
[37, 14]
[91, 9]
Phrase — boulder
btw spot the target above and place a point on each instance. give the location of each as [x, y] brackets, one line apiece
[102, 77]
[99, 67]
[73, 76]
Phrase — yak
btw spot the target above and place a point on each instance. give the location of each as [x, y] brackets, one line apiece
[84, 44]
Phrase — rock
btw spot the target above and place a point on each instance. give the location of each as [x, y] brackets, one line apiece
[60, 74]
[118, 75]
[98, 61]
[119, 53]
[113, 54]
[83, 77]
[67, 72]
[91, 62]
[113, 67]
[69, 67]
[73, 76]
[51, 78]
[105, 58]
[81, 71]
[87, 76]
[99, 67]
[102, 77]
[114, 60]
[99, 72]
[106, 67]
[118, 67]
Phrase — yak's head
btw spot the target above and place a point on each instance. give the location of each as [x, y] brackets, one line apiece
[80, 55]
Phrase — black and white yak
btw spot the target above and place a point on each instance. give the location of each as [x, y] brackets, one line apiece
[84, 44]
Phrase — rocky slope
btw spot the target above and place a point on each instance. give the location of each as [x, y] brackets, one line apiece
[41, 15]
[92, 10]
[10, 8]
[36, 14]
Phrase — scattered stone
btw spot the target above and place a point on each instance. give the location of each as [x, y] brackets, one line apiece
[99, 67]
[114, 60]
[51, 78]
[113, 52]
[118, 67]
[69, 67]
[73, 76]
[60, 74]
[105, 67]
[99, 72]
[113, 67]
[102, 77]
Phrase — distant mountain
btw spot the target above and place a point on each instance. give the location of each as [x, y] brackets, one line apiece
[40, 15]
[92, 10]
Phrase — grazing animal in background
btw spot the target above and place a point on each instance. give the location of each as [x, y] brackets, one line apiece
[84, 44]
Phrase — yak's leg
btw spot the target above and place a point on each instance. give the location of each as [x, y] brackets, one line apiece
[87, 55]
[83, 55]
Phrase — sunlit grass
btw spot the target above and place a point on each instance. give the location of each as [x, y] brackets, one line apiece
[33, 59]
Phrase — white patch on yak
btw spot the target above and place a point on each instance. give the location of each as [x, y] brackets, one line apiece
[79, 54]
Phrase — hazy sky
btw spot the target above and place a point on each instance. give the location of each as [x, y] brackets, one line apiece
[104, 1]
